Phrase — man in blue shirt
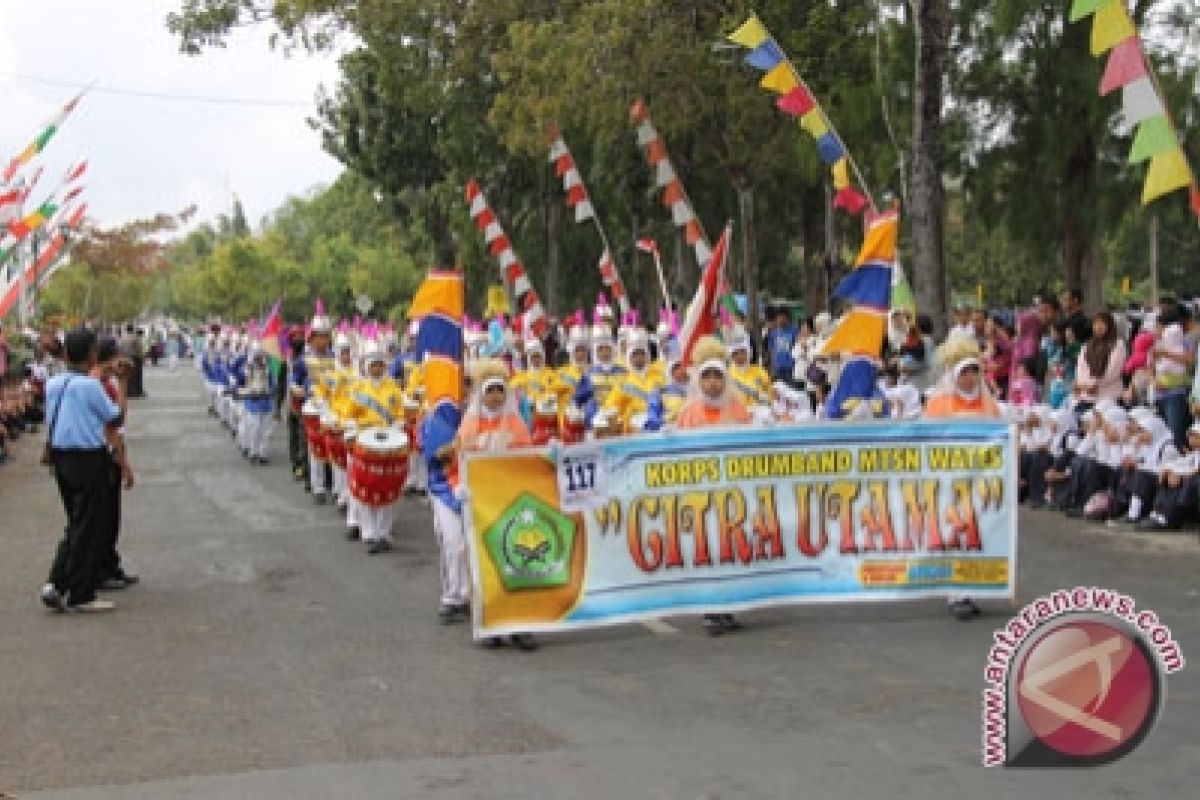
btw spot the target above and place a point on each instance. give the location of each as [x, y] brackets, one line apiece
[78, 409]
[781, 338]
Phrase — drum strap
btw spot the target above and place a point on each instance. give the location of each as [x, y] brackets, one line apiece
[374, 405]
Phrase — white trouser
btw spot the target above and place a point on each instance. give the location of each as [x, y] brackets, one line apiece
[212, 390]
[172, 362]
[375, 524]
[340, 489]
[316, 473]
[353, 515]
[416, 471]
[452, 541]
[256, 432]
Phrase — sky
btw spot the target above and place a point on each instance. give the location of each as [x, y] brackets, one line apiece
[151, 155]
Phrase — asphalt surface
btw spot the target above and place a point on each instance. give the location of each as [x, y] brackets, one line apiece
[264, 656]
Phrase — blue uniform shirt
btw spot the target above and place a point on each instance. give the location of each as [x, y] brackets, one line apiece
[84, 411]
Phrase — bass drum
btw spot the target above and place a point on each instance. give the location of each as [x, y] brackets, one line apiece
[331, 428]
[378, 466]
[311, 414]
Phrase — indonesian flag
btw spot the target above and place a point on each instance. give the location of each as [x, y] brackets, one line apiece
[647, 245]
[42, 139]
[701, 318]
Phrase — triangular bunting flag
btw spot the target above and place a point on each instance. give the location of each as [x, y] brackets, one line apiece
[880, 242]
[841, 174]
[1110, 27]
[681, 213]
[572, 179]
[780, 80]
[664, 174]
[1153, 137]
[1140, 101]
[1168, 171]
[766, 56]
[693, 232]
[499, 245]
[702, 250]
[850, 200]
[584, 211]
[656, 152]
[563, 165]
[576, 195]
[478, 205]
[797, 102]
[507, 259]
[1125, 65]
[673, 194]
[815, 123]
[830, 148]
[646, 133]
[492, 232]
[557, 150]
[1083, 8]
[750, 34]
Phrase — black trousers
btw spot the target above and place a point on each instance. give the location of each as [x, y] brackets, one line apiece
[83, 483]
[1033, 471]
[108, 559]
[297, 447]
[1179, 504]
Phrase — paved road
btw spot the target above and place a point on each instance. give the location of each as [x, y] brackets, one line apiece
[263, 656]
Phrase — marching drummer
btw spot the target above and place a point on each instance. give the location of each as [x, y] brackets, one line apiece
[313, 374]
[256, 384]
[750, 380]
[633, 397]
[604, 371]
[414, 410]
[378, 404]
[345, 378]
[537, 382]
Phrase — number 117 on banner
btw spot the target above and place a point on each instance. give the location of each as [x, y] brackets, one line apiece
[582, 481]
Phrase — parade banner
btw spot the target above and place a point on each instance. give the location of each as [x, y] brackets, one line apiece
[725, 519]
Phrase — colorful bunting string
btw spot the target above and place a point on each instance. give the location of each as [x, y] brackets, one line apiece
[527, 300]
[579, 200]
[797, 100]
[1142, 100]
[41, 140]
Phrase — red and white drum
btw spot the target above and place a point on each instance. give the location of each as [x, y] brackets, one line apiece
[545, 421]
[331, 427]
[378, 466]
[310, 412]
[574, 426]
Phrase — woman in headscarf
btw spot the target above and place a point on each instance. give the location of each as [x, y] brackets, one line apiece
[712, 401]
[961, 393]
[493, 424]
[1098, 373]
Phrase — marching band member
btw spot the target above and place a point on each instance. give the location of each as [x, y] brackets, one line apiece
[345, 379]
[713, 401]
[791, 405]
[674, 392]
[492, 424]
[257, 386]
[571, 375]
[962, 393]
[593, 389]
[636, 392]
[313, 374]
[377, 402]
[210, 370]
[414, 410]
[750, 379]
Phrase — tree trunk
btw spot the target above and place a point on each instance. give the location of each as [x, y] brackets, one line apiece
[1081, 265]
[553, 224]
[745, 196]
[932, 27]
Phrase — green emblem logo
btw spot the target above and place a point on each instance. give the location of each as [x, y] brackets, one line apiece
[531, 545]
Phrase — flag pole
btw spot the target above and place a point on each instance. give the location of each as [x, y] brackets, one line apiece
[662, 281]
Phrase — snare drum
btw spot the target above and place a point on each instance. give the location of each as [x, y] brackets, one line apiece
[311, 414]
[545, 421]
[331, 429]
[574, 426]
[378, 466]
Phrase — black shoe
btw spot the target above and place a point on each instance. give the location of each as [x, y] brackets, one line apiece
[965, 609]
[319, 499]
[129, 578]
[1037, 505]
[378, 546]
[450, 615]
[262, 461]
[111, 585]
[730, 623]
[53, 599]
[246, 454]
[1152, 525]
[713, 624]
[525, 641]
[353, 534]
[1074, 513]
[493, 642]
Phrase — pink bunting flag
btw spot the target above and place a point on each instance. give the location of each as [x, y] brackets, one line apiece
[851, 200]
[797, 102]
[1126, 64]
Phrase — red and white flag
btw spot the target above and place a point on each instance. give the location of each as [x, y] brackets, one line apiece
[647, 245]
[701, 317]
